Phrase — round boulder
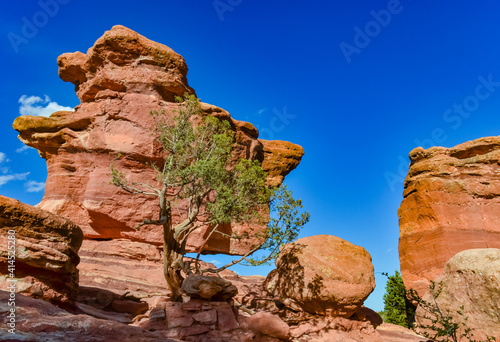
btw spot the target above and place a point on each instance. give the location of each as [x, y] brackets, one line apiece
[210, 288]
[470, 279]
[322, 274]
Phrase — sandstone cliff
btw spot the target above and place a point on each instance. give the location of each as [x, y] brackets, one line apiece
[451, 203]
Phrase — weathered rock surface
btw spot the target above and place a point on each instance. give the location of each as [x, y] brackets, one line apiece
[119, 80]
[122, 266]
[269, 325]
[37, 320]
[209, 288]
[323, 275]
[396, 333]
[472, 279]
[199, 320]
[46, 252]
[280, 157]
[123, 61]
[451, 203]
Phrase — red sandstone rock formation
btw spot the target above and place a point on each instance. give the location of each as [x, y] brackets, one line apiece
[37, 320]
[46, 252]
[451, 203]
[470, 279]
[119, 80]
[322, 275]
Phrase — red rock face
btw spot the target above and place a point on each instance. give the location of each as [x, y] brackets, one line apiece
[119, 80]
[451, 203]
[37, 320]
[322, 275]
[46, 252]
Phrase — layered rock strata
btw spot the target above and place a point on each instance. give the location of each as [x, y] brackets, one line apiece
[45, 251]
[119, 81]
[451, 203]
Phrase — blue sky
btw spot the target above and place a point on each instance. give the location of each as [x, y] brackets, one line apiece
[358, 84]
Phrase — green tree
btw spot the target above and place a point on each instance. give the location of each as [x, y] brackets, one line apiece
[398, 310]
[198, 170]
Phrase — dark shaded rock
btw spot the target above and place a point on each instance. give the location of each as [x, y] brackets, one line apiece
[46, 252]
[210, 288]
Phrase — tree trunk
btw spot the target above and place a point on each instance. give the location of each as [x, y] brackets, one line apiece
[172, 259]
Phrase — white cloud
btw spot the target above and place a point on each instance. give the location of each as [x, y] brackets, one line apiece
[32, 186]
[4, 170]
[23, 148]
[260, 111]
[3, 157]
[15, 176]
[34, 105]
[215, 262]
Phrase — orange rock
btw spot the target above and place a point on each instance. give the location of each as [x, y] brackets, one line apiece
[322, 274]
[124, 61]
[46, 252]
[280, 156]
[119, 80]
[451, 203]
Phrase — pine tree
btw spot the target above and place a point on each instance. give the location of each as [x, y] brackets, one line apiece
[397, 308]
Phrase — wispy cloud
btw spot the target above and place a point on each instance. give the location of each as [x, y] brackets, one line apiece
[6, 176]
[215, 262]
[3, 158]
[32, 186]
[23, 148]
[35, 105]
[260, 111]
[16, 176]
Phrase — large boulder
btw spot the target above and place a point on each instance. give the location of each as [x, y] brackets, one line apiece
[323, 275]
[119, 81]
[46, 252]
[451, 203]
[470, 279]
